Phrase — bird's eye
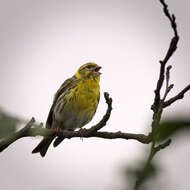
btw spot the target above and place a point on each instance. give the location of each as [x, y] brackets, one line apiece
[90, 66]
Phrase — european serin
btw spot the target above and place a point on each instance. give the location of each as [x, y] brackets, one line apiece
[74, 104]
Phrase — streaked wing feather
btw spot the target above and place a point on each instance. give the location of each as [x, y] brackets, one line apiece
[99, 97]
[62, 88]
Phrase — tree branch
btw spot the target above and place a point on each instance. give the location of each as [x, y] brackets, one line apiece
[31, 130]
[106, 117]
[177, 97]
[171, 50]
[158, 104]
[5, 142]
[168, 87]
[148, 163]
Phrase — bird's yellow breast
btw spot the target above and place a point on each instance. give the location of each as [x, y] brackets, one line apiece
[87, 92]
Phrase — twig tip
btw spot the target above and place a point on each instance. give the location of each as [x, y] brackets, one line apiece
[169, 67]
[32, 120]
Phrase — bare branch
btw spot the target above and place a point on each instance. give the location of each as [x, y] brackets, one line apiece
[28, 131]
[106, 117]
[171, 50]
[159, 103]
[107, 135]
[151, 155]
[177, 97]
[162, 146]
[32, 130]
[168, 87]
[5, 142]
[170, 17]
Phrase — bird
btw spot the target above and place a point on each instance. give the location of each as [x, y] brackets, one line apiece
[74, 104]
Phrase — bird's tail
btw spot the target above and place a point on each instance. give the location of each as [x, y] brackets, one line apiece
[57, 141]
[43, 146]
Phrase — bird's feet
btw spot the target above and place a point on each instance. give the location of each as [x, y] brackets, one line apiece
[81, 132]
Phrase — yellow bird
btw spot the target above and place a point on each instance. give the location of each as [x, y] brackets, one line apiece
[74, 104]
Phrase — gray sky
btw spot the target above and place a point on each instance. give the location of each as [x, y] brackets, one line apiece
[43, 42]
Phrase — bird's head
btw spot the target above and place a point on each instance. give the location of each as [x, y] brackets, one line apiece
[88, 70]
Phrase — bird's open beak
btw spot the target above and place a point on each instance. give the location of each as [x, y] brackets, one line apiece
[96, 70]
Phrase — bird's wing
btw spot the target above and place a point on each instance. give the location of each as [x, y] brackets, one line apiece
[62, 88]
[99, 97]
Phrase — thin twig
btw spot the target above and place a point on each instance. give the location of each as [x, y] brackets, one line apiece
[168, 87]
[171, 50]
[106, 117]
[170, 17]
[177, 97]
